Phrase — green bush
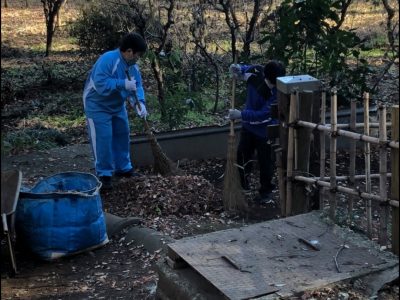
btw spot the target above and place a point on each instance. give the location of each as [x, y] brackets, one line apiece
[305, 38]
[99, 27]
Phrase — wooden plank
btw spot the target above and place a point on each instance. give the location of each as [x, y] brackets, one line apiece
[395, 180]
[271, 256]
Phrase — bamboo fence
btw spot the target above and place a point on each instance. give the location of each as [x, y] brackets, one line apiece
[334, 130]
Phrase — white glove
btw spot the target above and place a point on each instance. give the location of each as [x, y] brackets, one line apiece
[130, 85]
[234, 114]
[235, 70]
[142, 112]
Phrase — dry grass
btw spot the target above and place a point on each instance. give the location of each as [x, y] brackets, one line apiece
[24, 28]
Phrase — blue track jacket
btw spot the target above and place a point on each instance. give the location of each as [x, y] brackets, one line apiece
[105, 86]
[256, 115]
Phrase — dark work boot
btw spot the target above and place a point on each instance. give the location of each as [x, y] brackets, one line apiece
[106, 182]
[129, 173]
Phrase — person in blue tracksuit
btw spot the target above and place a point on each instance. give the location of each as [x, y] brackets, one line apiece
[114, 78]
[256, 116]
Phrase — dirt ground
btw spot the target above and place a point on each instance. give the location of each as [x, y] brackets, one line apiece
[120, 270]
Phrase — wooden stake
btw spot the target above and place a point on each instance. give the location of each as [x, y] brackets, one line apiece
[290, 156]
[367, 157]
[332, 167]
[384, 210]
[322, 151]
[352, 167]
[394, 157]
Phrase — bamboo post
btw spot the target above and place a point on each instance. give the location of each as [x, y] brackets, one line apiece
[333, 148]
[384, 210]
[367, 157]
[322, 151]
[394, 157]
[352, 167]
[290, 154]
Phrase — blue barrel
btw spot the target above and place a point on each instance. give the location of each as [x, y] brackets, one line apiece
[61, 215]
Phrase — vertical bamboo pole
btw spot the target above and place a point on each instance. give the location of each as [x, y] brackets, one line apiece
[352, 167]
[322, 151]
[367, 157]
[290, 156]
[394, 157]
[333, 148]
[384, 210]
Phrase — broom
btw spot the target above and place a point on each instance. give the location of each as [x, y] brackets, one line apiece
[233, 197]
[162, 164]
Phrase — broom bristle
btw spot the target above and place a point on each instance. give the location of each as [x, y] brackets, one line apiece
[162, 164]
[233, 197]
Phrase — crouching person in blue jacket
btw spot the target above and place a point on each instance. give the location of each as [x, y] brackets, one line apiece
[114, 78]
[256, 116]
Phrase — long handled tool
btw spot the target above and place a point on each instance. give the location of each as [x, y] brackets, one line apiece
[162, 164]
[233, 197]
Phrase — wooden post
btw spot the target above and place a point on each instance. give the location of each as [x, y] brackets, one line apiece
[384, 210]
[394, 157]
[322, 151]
[315, 146]
[302, 151]
[290, 154]
[352, 167]
[367, 155]
[332, 168]
[283, 111]
[281, 180]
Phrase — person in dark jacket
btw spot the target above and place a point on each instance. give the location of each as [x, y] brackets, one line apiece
[256, 116]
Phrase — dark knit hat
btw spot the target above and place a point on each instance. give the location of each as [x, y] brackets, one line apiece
[274, 69]
[133, 41]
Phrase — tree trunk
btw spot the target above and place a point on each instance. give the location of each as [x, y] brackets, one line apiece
[5, 4]
[217, 88]
[26, 3]
[158, 75]
[51, 9]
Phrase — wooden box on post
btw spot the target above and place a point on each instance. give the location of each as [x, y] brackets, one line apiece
[306, 155]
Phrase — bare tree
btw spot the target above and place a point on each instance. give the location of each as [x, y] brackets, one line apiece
[51, 8]
[154, 21]
[246, 31]
[198, 31]
[392, 32]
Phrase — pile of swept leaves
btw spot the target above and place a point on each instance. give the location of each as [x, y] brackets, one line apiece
[152, 196]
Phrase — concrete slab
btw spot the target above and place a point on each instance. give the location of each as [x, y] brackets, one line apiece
[273, 259]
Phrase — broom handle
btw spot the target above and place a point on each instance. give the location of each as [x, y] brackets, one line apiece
[146, 125]
[232, 131]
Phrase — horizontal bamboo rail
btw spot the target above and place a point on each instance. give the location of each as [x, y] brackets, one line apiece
[361, 125]
[342, 189]
[349, 134]
[356, 177]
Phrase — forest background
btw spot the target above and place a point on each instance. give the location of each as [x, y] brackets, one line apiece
[49, 46]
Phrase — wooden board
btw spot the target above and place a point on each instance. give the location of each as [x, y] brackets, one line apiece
[268, 257]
